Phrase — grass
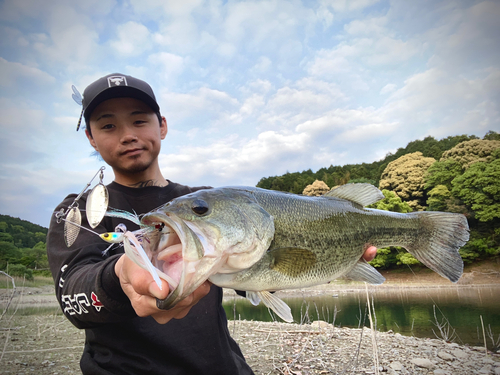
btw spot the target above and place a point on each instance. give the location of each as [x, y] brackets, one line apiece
[38, 281]
[39, 311]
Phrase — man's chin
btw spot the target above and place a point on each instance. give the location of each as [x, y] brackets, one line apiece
[133, 168]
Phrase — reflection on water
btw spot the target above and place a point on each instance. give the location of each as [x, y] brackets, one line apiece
[407, 311]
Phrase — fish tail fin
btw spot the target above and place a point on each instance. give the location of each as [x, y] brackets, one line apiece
[441, 235]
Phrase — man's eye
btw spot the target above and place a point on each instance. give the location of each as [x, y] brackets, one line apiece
[107, 126]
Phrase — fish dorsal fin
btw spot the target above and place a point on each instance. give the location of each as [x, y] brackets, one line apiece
[292, 261]
[362, 271]
[277, 305]
[362, 194]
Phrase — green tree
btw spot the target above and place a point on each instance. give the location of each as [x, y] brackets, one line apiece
[9, 253]
[492, 136]
[6, 237]
[481, 244]
[438, 198]
[20, 271]
[406, 258]
[470, 152]
[316, 189]
[391, 202]
[40, 237]
[405, 176]
[479, 188]
[386, 257]
[17, 228]
[442, 173]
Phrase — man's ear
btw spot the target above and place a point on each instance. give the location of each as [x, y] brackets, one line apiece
[91, 140]
[163, 127]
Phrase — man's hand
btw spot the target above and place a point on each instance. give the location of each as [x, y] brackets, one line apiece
[370, 253]
[141, 289]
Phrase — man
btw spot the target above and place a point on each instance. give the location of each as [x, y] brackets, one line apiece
[111, 297]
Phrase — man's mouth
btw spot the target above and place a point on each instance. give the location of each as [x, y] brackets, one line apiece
[132, 152]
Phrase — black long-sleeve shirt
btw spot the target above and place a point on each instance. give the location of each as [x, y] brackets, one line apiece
[117, 341]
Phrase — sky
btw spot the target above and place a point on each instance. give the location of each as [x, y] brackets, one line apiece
[250, 89]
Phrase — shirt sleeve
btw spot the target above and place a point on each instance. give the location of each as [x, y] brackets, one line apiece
[87, 287]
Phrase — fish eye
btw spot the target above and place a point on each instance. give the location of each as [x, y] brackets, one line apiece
[199, 207]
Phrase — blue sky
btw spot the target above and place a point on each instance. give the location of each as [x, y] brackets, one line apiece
[250, 89]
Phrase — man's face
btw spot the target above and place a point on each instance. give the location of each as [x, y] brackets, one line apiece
[126, 133]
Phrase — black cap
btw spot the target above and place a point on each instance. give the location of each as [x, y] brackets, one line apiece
[116, 85]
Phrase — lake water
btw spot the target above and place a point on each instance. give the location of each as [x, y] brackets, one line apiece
[412, 312]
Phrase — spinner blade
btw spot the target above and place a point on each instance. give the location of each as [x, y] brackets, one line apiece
[70, 229]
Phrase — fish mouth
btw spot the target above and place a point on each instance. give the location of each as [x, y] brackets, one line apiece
[178, 251]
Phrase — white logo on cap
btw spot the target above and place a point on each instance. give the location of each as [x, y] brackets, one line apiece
[117, 81]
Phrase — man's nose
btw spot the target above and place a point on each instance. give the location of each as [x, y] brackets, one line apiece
[128, 137]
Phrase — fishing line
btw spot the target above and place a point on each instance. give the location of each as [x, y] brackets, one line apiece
[79, 226]
[61, 213]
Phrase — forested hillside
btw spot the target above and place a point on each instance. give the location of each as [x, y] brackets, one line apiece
[22, 247]
[366, 172]
[455, 174]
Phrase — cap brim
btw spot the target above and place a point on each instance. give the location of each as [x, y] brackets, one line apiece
[120, 92]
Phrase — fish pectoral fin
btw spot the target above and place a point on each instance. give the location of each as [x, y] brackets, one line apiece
[277, 305]
[361, 193]
[253, 297]
[362, 271]
[292, 261]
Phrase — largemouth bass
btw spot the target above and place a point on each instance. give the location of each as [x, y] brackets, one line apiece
[258, 241]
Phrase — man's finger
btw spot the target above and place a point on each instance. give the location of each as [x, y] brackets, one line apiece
[370, 253]
[142, 281]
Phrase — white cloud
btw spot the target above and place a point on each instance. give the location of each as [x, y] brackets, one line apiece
[346, 126]
[367, 132]
[20, 124]
[260, 85]
[233, 160]
[263, 65]
[156, 8]
[206, 104]
[292, 100]
[348, 5]
[169, 65]
[12, 37]
[16, 10]
[474, 40]
[133, 38]
[367, 27]
[68, 37]
[387, 89]
[11, 72]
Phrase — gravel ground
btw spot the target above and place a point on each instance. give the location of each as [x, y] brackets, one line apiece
[51, 345]
[46, 343]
